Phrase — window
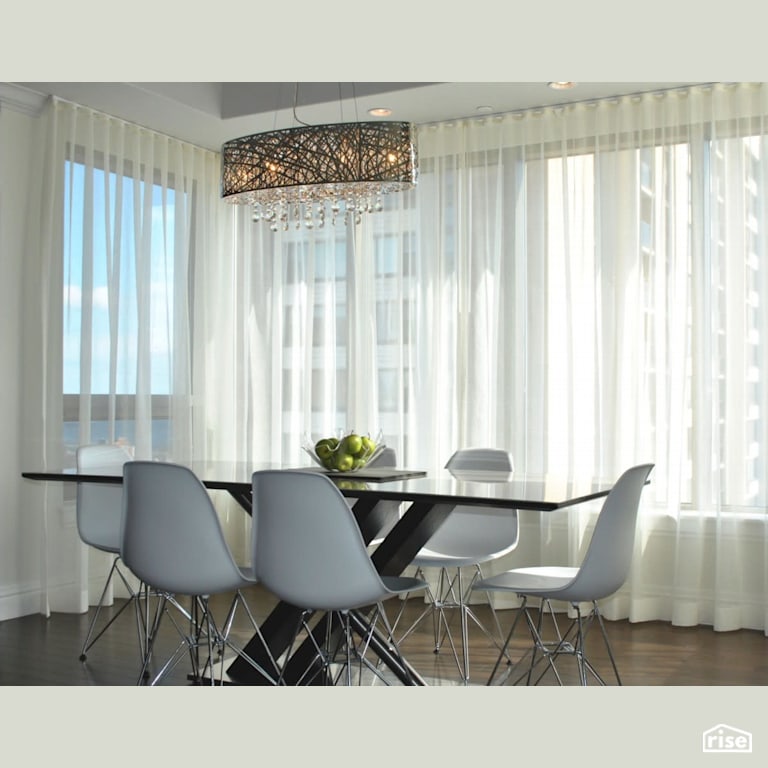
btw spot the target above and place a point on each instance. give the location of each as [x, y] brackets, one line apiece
[695, 219]
[319, 300]
[118, 304]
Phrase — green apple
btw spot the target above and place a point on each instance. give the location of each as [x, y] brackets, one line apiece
[323, 450]
[352, 444]
[343, 462]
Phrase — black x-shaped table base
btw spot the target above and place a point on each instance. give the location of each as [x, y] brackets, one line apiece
[391, 557]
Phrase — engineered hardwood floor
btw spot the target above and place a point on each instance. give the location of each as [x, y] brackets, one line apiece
[39, 651]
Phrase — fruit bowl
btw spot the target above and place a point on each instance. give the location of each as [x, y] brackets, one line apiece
[346, 451]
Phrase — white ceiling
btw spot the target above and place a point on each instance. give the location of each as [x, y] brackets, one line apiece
[208, 114]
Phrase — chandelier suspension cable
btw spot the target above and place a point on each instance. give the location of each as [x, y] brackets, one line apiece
[354, 100]
[295, 103]
[278, 101]
[301, 175]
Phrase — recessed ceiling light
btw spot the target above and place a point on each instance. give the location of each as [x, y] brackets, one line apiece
[380, 111]
[484, 108]
[561, 85]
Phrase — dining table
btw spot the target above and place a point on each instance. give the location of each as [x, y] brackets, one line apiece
[426, 499]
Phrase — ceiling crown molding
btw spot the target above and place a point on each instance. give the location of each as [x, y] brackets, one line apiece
[21, 99]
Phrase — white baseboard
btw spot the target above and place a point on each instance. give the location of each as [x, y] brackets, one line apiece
[21, 601]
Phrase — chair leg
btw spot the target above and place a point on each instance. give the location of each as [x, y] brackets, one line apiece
[572, 642]
[468, 613]
[319, 664]
[463, 611]
[503, 653]
[189, 636]
[546, 649]
[428, 609]
[143, 615]
[595, 615]
[539, 652]
[607, 643]
[390, 633]
[199, 630]
[355, 650]
[579, 648]
[452, 594]
[152, 629]
[338, 643]
[584, 665]
[346, 646]
[88, 643]
[239, 600]
[301, 623]
[489, 597]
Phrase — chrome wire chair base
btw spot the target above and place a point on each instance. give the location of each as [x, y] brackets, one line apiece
[338, 657]
[452, 598]
[198, 630]
[545, 652]
[134, 599]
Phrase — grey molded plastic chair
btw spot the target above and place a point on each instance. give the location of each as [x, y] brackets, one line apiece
[99, 512]
[469, 538]
[172, 539]
[602, 572]
[309, 552]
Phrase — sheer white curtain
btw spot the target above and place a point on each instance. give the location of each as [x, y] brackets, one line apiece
[585, 286]
[123, 216]
[582, 285]
[289, 328]
[600, 276]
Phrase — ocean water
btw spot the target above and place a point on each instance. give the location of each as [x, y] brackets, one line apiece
[125, 432]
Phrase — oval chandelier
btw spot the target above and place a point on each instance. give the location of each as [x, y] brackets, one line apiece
[311, 174]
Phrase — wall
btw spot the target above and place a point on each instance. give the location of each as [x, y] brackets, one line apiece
[19, 528]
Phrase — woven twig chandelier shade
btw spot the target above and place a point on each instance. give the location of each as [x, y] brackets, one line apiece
[304, 174]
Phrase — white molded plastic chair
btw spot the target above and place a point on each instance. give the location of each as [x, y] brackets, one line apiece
[172, 540]
[309, 552]
[469, 538]
[602, 572]
[387, 458]
[99, 512]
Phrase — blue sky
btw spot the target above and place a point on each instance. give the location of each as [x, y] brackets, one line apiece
[122, 343]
